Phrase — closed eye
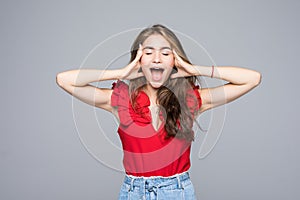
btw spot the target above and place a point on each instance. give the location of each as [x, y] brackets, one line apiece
[166, 53]
[148, 51]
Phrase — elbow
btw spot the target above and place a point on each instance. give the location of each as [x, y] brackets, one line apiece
[60, 79]
[256, 79]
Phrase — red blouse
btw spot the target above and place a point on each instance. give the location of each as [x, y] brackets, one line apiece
[146, 151]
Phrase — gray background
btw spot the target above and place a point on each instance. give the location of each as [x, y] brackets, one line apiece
[41, 156]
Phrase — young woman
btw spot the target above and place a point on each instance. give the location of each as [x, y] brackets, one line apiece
[157, 109]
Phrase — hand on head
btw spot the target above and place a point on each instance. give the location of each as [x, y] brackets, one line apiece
[184, 69]
[131, 71]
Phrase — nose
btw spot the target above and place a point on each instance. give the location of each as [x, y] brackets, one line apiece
[157, 58]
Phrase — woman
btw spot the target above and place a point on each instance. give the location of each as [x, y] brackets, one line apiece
[157, 109]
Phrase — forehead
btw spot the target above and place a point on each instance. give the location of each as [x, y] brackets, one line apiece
[156, 41]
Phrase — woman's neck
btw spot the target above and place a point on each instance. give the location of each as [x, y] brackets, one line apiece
[152, 93]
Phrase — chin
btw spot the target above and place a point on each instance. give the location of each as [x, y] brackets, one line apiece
[155, 85]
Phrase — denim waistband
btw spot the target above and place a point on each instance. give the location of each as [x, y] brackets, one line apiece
[136, 181]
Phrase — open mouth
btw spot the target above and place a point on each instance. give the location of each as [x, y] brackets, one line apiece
[156, 73]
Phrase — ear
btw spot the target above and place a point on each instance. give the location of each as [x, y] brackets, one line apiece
[140, 69]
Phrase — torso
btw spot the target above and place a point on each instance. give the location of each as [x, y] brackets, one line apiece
[146, 150]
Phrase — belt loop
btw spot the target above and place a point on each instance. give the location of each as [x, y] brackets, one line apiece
[179, 182]
[144, 188]
[131, 183]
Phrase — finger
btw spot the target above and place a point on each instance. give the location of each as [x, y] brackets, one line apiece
[177, 59]
[140, 74]
[176, 55]
[136, 75]
[139, 52]
[174, 76]
[180, 74]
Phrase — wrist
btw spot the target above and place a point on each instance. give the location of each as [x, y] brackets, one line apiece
[120, 74]
[208, 71]
[196, 70]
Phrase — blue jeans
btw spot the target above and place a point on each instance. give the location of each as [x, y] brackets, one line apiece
[157, 188]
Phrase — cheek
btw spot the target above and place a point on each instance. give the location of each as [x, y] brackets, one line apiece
[171, 62]
[145, 60]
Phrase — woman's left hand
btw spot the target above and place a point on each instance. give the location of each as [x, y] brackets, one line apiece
[184, 69]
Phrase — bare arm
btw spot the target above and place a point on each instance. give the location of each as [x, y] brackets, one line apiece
[240, 81]
[77, 82]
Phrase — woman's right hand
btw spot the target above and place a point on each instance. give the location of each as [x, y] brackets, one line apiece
[131, 71]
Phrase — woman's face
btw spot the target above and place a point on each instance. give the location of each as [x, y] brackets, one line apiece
[157, 60]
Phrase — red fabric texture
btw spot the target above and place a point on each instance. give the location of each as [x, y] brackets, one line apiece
[146, 151]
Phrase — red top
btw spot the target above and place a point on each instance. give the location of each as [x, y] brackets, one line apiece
[146, 151]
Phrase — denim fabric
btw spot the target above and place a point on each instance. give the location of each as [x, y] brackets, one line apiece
[157, 188]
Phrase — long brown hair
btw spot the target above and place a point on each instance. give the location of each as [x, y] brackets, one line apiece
[172, 95]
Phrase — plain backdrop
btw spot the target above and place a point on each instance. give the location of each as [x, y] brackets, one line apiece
[41, 154]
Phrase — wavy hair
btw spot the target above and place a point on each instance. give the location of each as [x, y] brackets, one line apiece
[171, 96]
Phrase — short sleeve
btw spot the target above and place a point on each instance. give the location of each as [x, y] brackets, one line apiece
[120, 99]
[193, 99]
[198, 96]
[120, 95]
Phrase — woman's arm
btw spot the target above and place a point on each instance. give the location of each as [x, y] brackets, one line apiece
[240, 81]
[77, 82]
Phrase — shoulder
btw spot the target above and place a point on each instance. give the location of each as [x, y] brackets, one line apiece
[119, 85]
[193, 98]
[120, 93]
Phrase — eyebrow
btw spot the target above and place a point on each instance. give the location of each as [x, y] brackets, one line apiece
[149, 47]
